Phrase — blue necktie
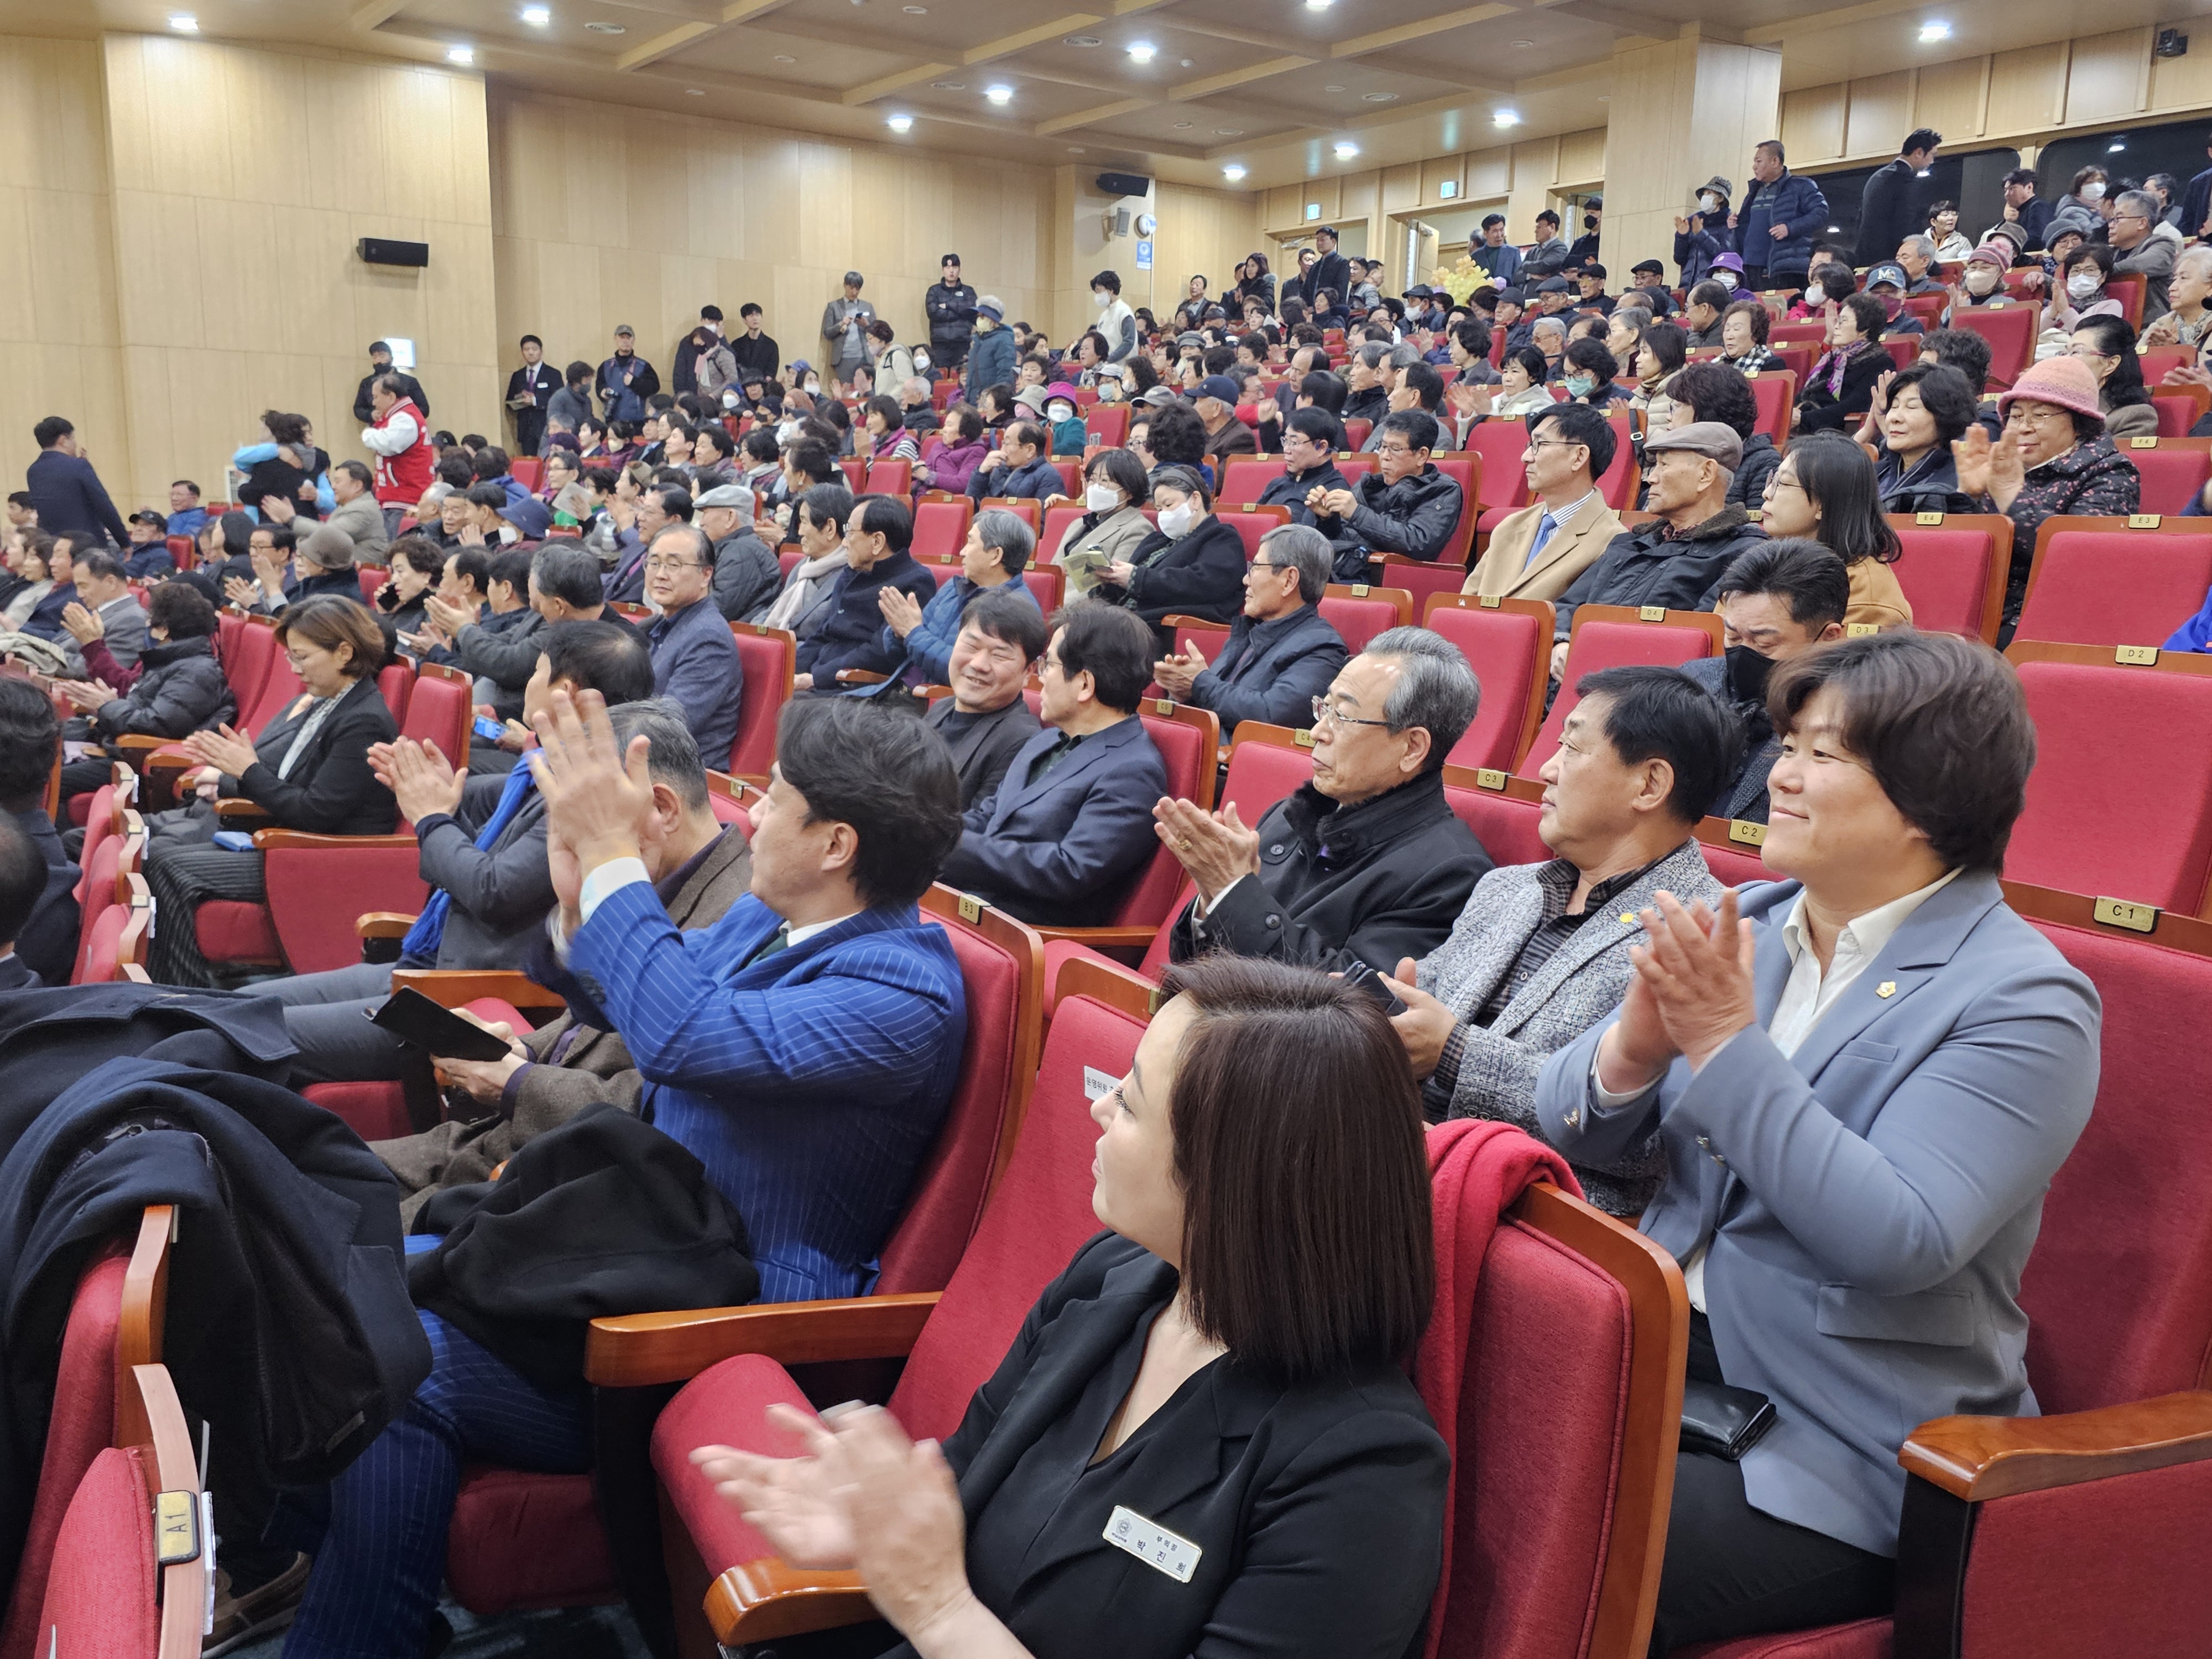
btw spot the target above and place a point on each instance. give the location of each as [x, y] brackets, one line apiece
[1545, 528]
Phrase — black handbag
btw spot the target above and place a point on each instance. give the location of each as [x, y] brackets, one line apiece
[1724, 1421]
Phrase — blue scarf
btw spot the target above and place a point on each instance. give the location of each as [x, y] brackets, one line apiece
[428, 932]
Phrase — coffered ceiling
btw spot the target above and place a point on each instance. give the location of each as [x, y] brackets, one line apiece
[1284, 90]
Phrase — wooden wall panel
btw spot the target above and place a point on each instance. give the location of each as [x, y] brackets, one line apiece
[1489, 174]
[1434, 173]
[1581, 158]
[253, 298]
[1812, 125]
[1202, 232]
[2027, 89]
[2181, 82]
[1948, 98]
[1880, 113]
[2108, 77]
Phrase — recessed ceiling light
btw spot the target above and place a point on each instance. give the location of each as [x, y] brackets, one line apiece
[694, 92]
[785, 57]
[1346, 152]
[915, 11]
[538, 17]
[460, 54]
[185, 23]
[900, 123]
[1142, 51]
[1317, 5]
[1075, 150]
[1181, 125]
[1333, 86]
[1377, 97]
[948, 86]
[1000, 94]
[1190, 63]
[1524, 42]
[1083, 41]
[1232, 172]
[608, 28]
[1507, 118]
[1934, 32]
[1228, 132]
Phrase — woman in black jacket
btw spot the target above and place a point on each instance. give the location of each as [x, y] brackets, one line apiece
[1841, 384]
[180, 689]
[309, 770]
[1192, 565]
[416, 567]
[1222, 1401]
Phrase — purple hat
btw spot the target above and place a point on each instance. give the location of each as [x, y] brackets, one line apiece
[1729, 262]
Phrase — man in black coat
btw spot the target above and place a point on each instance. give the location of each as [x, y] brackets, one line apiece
[951, 304]
[66, 494]
[535, 382]
[1885, 207]
[1407, 506]
[380, 360]
[1331, 270]
[1281, 652]
[986, 720]
[1367, 863]
[1311, 439]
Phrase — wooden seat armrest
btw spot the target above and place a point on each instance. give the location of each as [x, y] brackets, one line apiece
[265, 839]
[383, 924]
[638, 1350]
[142, 740]
[238, 806]
[1100, 939]
[1983, 1457]
[771, 1601]
[456, 987]
[860, 677]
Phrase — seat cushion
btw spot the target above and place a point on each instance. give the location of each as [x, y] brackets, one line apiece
[99, 1594]
[524, 1540]
[229, 931]
[726, 1405]
[1869, 1638]
[374, 1111]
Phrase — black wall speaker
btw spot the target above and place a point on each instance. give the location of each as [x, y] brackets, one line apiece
[1123, 184]
[376, 251]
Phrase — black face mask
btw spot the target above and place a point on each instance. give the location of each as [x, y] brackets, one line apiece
[1589, 222]
[1746, 675]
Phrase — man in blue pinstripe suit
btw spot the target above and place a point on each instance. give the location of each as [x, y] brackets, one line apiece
[804, 1048]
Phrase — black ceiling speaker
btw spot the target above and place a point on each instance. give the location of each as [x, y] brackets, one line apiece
[2171, 43]
[376, 251]
[1124, 184]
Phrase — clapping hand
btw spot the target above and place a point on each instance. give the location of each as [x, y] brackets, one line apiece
[281, 511]
[448, 618]
[1175, 673]
[239, 592]
[84, 626]
[901, 611]
[85, 694]
[1214, 849]
[421, 778]
[1696, 963]
[598, 796]
[224, 749]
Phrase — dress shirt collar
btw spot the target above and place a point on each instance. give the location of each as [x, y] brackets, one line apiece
[1863, 936]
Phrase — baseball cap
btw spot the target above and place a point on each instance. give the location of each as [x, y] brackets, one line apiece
[1707, 437]
[1219, 387]
[1891, 274]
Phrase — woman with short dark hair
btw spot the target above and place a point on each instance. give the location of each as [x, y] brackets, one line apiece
[1862, 1077]
[1930, 407]
[307, 770]
[2107, 344]
[1192, 564]
[1238, 1334]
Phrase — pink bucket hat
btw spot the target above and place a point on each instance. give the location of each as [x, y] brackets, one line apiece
[2062, 382]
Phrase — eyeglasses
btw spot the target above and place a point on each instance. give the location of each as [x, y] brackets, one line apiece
[1535, 444]
[659, 566]
[1325, 712]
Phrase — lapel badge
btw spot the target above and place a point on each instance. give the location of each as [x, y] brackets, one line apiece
[1886, 988]
[1628, 918]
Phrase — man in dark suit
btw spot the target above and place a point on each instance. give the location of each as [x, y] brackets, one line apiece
[30, 731]
[1281, 652]
[1368, 862]
[852, 634]
[1072, 819]
[1331, 270]
[530, 390]
[66, 494]
[803, 1049]
[22, 883]
[986, 720]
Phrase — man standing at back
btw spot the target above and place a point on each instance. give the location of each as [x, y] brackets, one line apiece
[1886, 206]
[380, 365]
[1331, 270]
[530, 391]
[66, 494]
[951, 304]
[1780, 219]
[626, 381]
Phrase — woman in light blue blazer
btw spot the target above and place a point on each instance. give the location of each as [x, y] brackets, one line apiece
[1863, 1077]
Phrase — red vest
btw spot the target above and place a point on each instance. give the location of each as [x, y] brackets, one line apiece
[402, 479]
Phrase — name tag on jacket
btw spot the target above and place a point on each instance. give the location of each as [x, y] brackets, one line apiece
[1154, 1544]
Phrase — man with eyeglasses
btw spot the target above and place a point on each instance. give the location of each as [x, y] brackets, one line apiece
[694, 659]
[1365, 863]
[1280, 651]
[2143, 245]
[1541, 548]
[853, 635]
[1407, 506]
[656, 509]
[1310, 437]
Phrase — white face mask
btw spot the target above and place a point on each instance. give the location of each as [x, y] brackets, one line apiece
[1101, 298]
[2082, 284]
[2092, 192]
[1102, 498]
[1058, 413]
[1726, 279]
[1177, 520]
[786, 431]
[1708, 203]
[508, 532]
[921, 358]
[730, 399]
[810, 386]
[1981, 281]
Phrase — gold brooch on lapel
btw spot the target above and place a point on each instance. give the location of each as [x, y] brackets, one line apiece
[1886, 988]
[1628, 918]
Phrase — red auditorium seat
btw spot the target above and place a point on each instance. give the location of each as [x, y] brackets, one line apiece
[1775, 392]
[940, 525]
[1110, 422]
[1244, 476]
[522, 1540]
[1731, 850]
[890, 477]
[1954, 570]
[1610, 636]
[1467, 470]
[1253, 524]
[2173, 470]
[1021, 507]
[1359, 612]
[1618, 486]
[2119, 804]
[1501, 810]
[2096, 581]
[2159, 362]
[1056, 521]
[1425, 580]
[1507, 642]
[770, 657]
[1356, 432]
[1354, 465]
[1501, 444]
[2080, 1531]
[2011, 331]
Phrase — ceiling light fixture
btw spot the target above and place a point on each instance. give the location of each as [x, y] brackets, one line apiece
[1506, 117]
[948, 86]
[1232, 172]
[538, 17]
[1317, 5]
[1377, 97]
[1333, 86]
[2116, 147]
[1142, 51]
[1523, 44]
[1228, 132]
[1075, 150]
[694, 92]
[608, 28]
[1181, 126]
[1345, 152]
[460, 54]
[1002, 95]
[915, 11]
[900, 123]
[1081, 42]
[1931, 33]
[185, 23]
